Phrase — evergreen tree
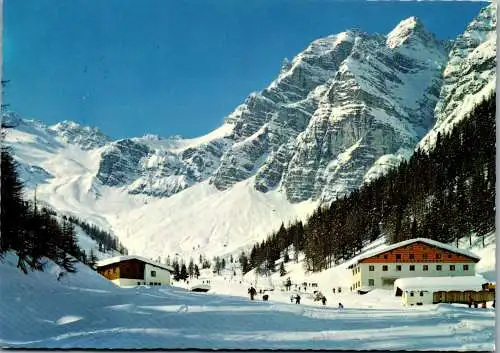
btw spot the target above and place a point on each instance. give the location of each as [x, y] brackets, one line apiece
[92, 259]
[196, 271]
[282, 269]
[177, 271]
[183, 274]
[244, 263]
[191, 268]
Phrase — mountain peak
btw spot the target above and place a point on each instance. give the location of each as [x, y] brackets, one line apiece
[84, 136]
[406, 30]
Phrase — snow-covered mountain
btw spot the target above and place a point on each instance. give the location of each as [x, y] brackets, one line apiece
[470, 74]
[343, 111]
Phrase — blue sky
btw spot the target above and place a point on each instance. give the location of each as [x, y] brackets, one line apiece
[164, 67]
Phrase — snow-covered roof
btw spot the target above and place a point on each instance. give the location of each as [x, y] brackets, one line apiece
[116, 259]
[435, 284]
[416, 240]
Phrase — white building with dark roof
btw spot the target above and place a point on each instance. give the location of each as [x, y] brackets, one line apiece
[420, 257]
[127, 271]
[423, 290]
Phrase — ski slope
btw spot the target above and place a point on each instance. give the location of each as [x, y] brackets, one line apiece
[87, 311]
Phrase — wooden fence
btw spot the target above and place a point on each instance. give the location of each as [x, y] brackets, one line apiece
[463, 297]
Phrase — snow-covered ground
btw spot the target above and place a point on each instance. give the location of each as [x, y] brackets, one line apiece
[85, 310]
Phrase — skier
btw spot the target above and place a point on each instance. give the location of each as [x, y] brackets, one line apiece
[323, 300]
[341, 306]
[333, 290]
[252, 292]
[297, 299]
[288, 283]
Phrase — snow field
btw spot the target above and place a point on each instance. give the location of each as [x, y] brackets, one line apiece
[87, 311]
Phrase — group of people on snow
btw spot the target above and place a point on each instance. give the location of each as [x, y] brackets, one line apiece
[318, 295]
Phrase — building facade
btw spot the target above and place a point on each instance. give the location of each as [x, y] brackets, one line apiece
[430, 290]
[419, 257]
[129, 271]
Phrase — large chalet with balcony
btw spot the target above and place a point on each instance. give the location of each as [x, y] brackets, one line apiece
[128, 271]
[420, 257]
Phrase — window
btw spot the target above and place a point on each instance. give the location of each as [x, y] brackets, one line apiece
[438, 256]
[439, 267]
[411, 294]
[388, 281]
[384, 268]
[398, 256]
[412, 257]
[421, 294]
[449, 256]
[371, 268]
[153, 273]
[452, 267]
[371, 282]
[150, 283]
[412, 267]
[466, 267]
[385, 257]
[138, 283]
[398, 267]
[425, 267]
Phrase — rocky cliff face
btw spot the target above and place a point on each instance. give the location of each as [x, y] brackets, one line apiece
[379, 103]
[269, 121]
[470, 73]
[344, 102]
[85, 137]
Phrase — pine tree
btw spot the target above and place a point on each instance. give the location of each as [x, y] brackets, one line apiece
[196, 271]
[183, 274]
[13, 208]
[177, 270]
[282, 269]
[244, 263]
[92, 259]
[191, 268]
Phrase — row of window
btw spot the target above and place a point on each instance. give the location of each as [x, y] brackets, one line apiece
[424, 268]
[413, 294]
[412, 256]
[150, 283]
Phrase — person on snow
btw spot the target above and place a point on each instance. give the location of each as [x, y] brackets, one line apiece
[297, 299]
[252, 291]
[341, 306]
[292, 298]
[333, 290]
[323, 300]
